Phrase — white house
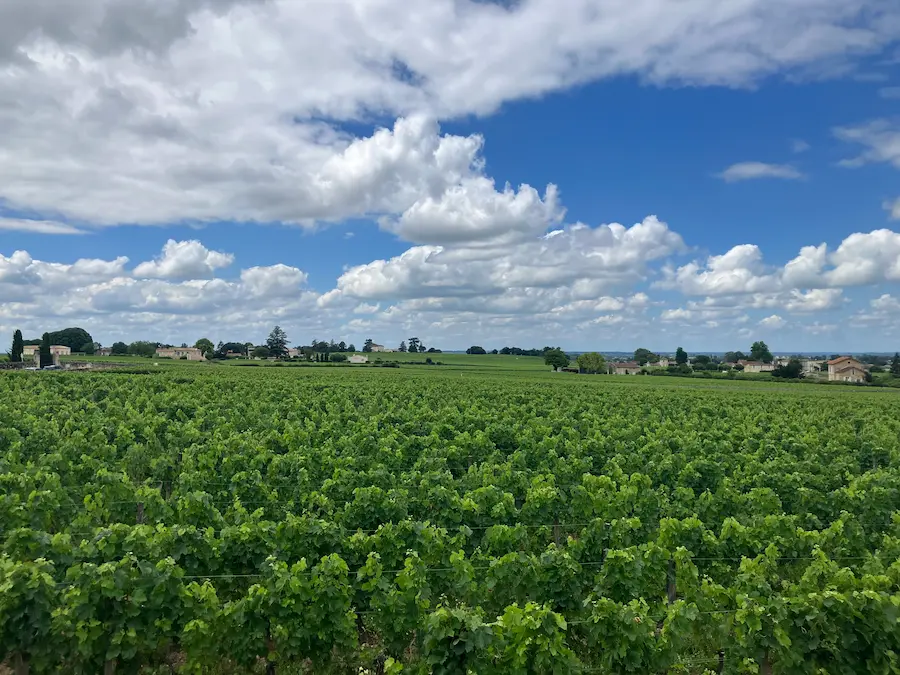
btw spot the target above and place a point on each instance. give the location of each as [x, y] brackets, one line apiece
[356, 358]
[380, 348]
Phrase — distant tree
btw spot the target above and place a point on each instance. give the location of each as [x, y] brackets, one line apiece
[205, 346]
[734, 357]
[351, 348]
[738, 367]
[793, 370]
[681, 356]
[342, 346]
[494, 351]
[645, 356]
[475, 349]
[592, 362]
[432, 350]
[74, 338]
[142, 348]
[367, 347]
[18, 347]
[505, 351]
[895, 365]
[118, 348]
[702, 359]
[759, 351]
[277, 342]
[402, 347]
[338, 357]
[261, 352]
[46, 357]
[88, 348]
[414, 345]
[556, 358]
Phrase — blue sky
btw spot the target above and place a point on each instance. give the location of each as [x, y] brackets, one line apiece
[210, 176]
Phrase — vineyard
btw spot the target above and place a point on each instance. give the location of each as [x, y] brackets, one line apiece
[238, 520]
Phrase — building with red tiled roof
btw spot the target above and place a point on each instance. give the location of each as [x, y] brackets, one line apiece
[846, 369]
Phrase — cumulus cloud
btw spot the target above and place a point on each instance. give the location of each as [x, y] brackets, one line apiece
[755, 170]
[889, 92]
[860, 259]
[235, 109]
[474, 212]
[184, 260]
[798, 145]
[604, 257]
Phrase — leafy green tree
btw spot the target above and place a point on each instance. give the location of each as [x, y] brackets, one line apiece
[119, 348]
[18, 347]
[351, 347]
[413, 345]
[681, 356]
[793, 369]
[28, 596]
[74, 338]
[46, 358]
[342, 346]
[402, 347]
[703, 359]
[759, 351]
[895, 365]
[205, 346]
[645, 356]
[367, 346]
[475, 349]
[277, 342]
[143, 348]
[556, 358]
[734, 357]
[261, 352]
[337, 357]
[591, 362]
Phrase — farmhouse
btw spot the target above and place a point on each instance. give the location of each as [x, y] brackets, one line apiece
[625, 368]
[356, 358]
[104, 351]
[55, 350]
[380, 348]
[184, 353]
[756, 366]
[846, 369]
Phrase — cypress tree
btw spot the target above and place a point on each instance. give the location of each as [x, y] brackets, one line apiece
[18, 347]
[46, 356]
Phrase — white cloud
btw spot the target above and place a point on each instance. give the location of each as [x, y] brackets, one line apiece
[754, 170]
[798, 145]
[774, 322]
[889, 92]
[234, 110]
[603, 257]
[38, 226]
[861, 259]
[184, 260]
[474, 212]
[880, 138]
[893, 208]
[815, 300]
